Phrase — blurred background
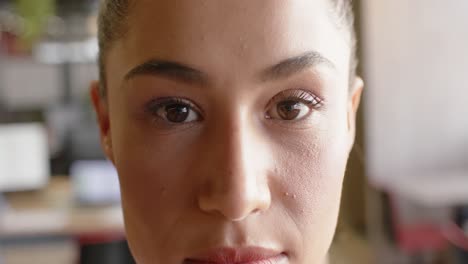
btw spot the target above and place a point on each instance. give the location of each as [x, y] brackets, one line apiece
[405, 198]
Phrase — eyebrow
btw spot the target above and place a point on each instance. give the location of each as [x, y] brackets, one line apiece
[183, 73]
[294, 65]
[168, 69]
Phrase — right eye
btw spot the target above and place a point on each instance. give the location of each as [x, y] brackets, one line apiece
[174, 110]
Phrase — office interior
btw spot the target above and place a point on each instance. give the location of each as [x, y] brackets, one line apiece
[405, 197]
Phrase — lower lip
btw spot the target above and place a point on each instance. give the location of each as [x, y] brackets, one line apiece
[280, 259]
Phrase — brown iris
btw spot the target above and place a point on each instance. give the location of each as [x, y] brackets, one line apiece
[289, 110]
[177, 113]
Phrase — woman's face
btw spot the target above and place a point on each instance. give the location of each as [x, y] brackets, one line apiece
[230, 125]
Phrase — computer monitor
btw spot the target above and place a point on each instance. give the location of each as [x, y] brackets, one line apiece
[24, 157]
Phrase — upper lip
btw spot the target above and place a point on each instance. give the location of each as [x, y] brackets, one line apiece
[234, 255]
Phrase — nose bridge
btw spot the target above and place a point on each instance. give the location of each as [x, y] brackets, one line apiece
[236, 143]
[237, 179]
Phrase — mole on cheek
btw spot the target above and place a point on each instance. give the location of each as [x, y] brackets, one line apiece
[287, 194]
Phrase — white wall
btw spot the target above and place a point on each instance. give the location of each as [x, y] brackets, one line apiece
[416, 72]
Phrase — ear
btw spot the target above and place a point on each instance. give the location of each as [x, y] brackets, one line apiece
[102, 113]
[353, 106]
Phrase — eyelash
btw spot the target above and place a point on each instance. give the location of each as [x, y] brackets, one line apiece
[305, 97]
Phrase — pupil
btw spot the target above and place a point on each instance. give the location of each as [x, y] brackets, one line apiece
[289, 110]
[177, 113]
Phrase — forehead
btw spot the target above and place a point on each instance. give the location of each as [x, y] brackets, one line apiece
[225, 34]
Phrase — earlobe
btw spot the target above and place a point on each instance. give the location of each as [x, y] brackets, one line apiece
[107, 145]
[102, 114]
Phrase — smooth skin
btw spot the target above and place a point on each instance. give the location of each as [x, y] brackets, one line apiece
[230, 124]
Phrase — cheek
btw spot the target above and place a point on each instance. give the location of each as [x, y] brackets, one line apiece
[310, 172]
[153, 168]
[312, 163]
[153, 172]
[313, 173]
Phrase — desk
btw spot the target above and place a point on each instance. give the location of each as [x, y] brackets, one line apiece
[53, 212]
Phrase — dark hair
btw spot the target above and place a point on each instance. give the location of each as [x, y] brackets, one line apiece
[112, 25]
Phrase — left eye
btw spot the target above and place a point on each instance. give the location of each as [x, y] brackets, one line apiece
[289, 110]
[292, 105]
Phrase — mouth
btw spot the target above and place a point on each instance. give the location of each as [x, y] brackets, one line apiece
[248, 255]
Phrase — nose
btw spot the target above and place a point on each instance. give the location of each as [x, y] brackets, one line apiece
[236, 178]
